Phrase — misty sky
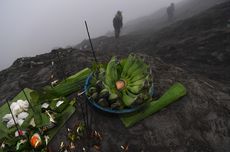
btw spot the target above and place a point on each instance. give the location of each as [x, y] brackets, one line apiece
[30, 27]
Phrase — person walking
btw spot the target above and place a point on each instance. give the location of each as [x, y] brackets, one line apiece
[117, 24]
[170, 12]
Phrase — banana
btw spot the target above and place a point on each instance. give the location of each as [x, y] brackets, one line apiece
[137, 77]
[130, 60]
[139, 63]
[122, 62]
[92, 90]
[133, 68]
[104, 93]
[136, 83]
[102, 102]
[111, 73]
[130, 93]
[128, 100]
[142, 69]
[113, 96]
[94, 96]
[116, 105]
[135, 89]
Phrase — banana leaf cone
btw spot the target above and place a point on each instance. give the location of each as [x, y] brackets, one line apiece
[174, 93]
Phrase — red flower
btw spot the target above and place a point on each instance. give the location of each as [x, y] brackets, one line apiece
[20, 132]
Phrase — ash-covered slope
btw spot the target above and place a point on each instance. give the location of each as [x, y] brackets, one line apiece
[200, 44]
[198, 122]
[158, 20]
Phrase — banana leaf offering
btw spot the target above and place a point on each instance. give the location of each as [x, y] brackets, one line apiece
[121, 85]
[37, 122]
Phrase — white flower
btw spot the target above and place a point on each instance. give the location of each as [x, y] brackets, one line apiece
[23, 115]
[24, 104]
[20, 122]
[3, 145]
[14, 104]
[19, 115]
[59, 103]
[11, 123]
[7, 117]
[45, 105]
[15, 108]
[32, 122]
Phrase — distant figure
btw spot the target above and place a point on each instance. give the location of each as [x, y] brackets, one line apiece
[171, 11]
[117, 24]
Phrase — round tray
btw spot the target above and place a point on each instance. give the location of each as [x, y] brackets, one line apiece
[108, 110]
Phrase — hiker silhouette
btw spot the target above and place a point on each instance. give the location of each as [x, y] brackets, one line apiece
[171, 11]
[117, 24]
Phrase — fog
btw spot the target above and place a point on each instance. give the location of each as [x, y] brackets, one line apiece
[33, 27]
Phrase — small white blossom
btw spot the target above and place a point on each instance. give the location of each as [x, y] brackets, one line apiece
[45, 105]
[11, 123]
[23, 115]
[24, 104]
[3, 145]
[59, 103]
[32, 122]
[7, 118]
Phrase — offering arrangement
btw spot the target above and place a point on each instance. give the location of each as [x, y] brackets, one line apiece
[121, 86]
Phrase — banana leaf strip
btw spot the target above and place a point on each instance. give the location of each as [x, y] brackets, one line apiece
[71, 84]
[170, 96]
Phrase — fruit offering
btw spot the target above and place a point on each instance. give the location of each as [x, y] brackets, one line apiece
[121, 84]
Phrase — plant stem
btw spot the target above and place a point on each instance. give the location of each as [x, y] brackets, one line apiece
[94, 55]
[28, 100]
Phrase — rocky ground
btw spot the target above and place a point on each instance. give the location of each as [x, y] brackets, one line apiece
[198, 122]
[194, 52]
[199, 44]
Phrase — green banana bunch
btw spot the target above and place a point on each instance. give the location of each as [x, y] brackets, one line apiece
[135, 74]
[127, 82]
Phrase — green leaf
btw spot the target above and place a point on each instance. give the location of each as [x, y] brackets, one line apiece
[35, 98]
[61, 107]
[44, 121]
[37, 115]
[61, 119]
[72, 84]
[3, 133]
[171, 95]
